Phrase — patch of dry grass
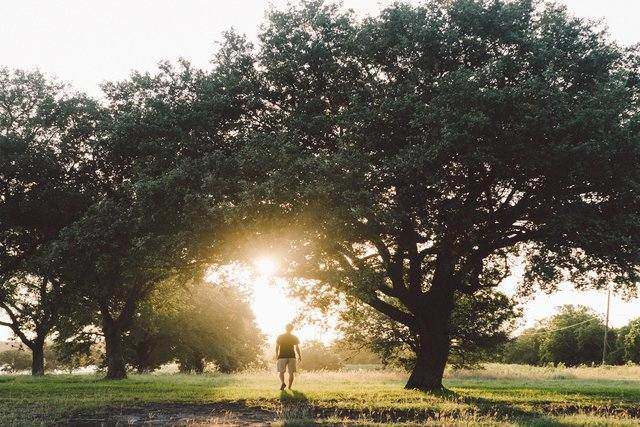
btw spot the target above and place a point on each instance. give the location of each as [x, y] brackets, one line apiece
[498, 371]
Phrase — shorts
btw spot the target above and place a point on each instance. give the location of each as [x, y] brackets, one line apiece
[285, 362]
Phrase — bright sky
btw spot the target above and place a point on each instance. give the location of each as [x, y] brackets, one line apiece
[86, 42]
[269, 299]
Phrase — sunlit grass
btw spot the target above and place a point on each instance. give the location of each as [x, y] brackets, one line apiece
[500, 393]
[501, 371]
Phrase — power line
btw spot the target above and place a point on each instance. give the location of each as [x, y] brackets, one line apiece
[560, 329]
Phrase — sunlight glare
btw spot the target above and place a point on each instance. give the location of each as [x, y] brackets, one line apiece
[265, 266]
[272, 306]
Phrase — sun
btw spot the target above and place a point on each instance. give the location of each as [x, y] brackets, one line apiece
[265, 266]
[272, 306]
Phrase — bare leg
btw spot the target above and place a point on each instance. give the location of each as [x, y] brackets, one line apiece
[290, 379]
[281, 375]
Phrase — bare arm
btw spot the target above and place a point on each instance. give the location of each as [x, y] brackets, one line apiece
[277, 349]
[298, 351]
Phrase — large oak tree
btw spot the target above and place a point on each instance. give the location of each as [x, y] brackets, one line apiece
[46, 183]
[405, 156]
[166, 165]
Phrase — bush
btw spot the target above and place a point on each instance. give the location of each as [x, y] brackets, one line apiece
[572, 337]
[631, 342]
[316, 356]
[524, 349]
[196, 324]
[19, 359]
[15, 360]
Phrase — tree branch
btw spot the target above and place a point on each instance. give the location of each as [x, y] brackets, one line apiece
[15, 325]
[391, 311]
[346, 260]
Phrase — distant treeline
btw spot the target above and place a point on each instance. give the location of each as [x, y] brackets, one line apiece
[317, 356]
[574, 336]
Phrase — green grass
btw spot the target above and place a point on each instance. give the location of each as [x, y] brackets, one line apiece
[499, 394]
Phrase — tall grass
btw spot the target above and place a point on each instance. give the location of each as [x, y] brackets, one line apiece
[498, 371]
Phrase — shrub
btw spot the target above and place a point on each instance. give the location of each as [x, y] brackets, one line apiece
[316, 356]
[15, 360]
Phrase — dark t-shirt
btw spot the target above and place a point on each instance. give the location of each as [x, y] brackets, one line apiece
[286, 342]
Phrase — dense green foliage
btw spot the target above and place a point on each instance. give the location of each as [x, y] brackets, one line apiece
[150, 214]
[194, 325]
[525, 348]
[411, 155]
[574, 336]
[45, 185]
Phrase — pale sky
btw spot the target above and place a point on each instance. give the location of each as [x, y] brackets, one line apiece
[86, 42]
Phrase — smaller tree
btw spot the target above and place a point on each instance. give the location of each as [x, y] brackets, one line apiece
[166, 171]
[524, 349]
[573, 337]
[632, 342]
[218, 326]
[195, 324]
[44, 186]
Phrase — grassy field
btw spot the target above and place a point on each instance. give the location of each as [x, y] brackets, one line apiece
[499, 394]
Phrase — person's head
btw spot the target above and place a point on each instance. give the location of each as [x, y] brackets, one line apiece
[289, 327]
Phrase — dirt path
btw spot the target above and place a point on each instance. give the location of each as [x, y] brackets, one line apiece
[170, 414]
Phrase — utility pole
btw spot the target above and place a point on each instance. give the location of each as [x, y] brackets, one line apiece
[606, 328]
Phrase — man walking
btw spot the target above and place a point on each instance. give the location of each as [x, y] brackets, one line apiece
[285, 345]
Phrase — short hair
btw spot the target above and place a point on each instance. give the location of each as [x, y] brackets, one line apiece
[289, 327]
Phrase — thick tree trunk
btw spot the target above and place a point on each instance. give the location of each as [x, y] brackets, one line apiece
[430, 362]
[142, 357]
[192, 363]
[434, 341]
[114, 351]
[37, 359]
[199, 365]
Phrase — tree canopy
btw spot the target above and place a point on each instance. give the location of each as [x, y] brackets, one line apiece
[410, 154]
[45, 185]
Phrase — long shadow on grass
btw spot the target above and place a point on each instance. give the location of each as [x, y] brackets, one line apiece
[126, 408]
[477, 408]
[501, 411]
[295, 408]
[540, 411]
